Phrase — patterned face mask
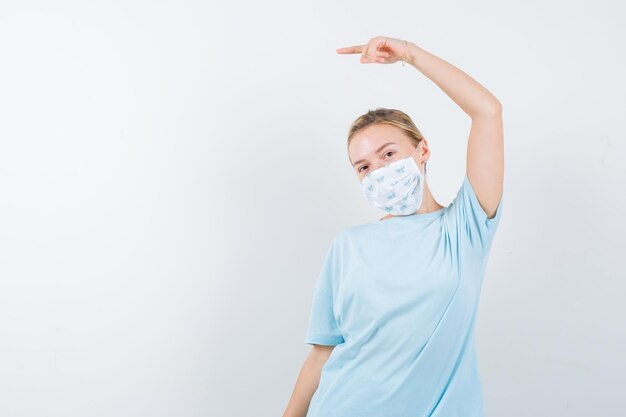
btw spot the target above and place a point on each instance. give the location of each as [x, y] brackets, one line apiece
[397, 188]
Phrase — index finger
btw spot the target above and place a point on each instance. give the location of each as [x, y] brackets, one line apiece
[356, 49]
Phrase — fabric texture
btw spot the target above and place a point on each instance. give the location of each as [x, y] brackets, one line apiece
[398, 299]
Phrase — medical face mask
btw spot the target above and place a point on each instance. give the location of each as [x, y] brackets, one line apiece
[396, 188]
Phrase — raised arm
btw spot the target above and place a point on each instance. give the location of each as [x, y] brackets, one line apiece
[485, 147]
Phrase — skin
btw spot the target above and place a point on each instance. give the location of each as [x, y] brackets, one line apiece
[484, 166]
[367, 154]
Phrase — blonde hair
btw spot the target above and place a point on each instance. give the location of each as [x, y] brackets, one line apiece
[392, 117]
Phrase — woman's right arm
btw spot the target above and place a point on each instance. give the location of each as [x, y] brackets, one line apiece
[307, 381]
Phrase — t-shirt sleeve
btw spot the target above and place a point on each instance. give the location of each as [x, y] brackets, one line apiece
[323, 328]
[471, 220]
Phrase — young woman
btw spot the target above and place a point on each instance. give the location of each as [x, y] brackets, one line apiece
[394, 307]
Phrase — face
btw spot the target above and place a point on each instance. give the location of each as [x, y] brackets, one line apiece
[379, 145]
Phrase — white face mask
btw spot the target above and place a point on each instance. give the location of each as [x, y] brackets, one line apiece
[396, 188]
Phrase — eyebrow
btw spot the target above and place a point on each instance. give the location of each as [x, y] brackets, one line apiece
[378, 150]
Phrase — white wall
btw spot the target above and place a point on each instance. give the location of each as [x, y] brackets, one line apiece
[171, 175]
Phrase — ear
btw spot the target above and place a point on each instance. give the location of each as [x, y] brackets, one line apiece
[425, 152]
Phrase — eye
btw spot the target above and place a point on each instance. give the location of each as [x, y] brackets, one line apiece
[390, 153]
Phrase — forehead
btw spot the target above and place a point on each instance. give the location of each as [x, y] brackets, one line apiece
[367, 141]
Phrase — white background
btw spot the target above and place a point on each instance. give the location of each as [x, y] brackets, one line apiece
[172, 174]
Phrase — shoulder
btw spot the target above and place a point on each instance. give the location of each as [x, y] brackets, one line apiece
[349, 235]
[354, 231]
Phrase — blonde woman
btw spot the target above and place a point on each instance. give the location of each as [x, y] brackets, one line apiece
[393, 313]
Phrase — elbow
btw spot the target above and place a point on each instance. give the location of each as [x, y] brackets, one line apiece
[490, 111]
[495, 109]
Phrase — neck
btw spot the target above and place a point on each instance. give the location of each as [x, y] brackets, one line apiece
[428, 204]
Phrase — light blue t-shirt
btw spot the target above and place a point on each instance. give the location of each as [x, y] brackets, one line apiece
[398, 299]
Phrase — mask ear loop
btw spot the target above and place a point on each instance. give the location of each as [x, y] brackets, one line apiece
[416, 148]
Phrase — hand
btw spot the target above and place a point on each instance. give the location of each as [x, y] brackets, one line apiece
[379, 49]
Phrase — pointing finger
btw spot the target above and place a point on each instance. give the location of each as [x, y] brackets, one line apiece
[356, 49]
